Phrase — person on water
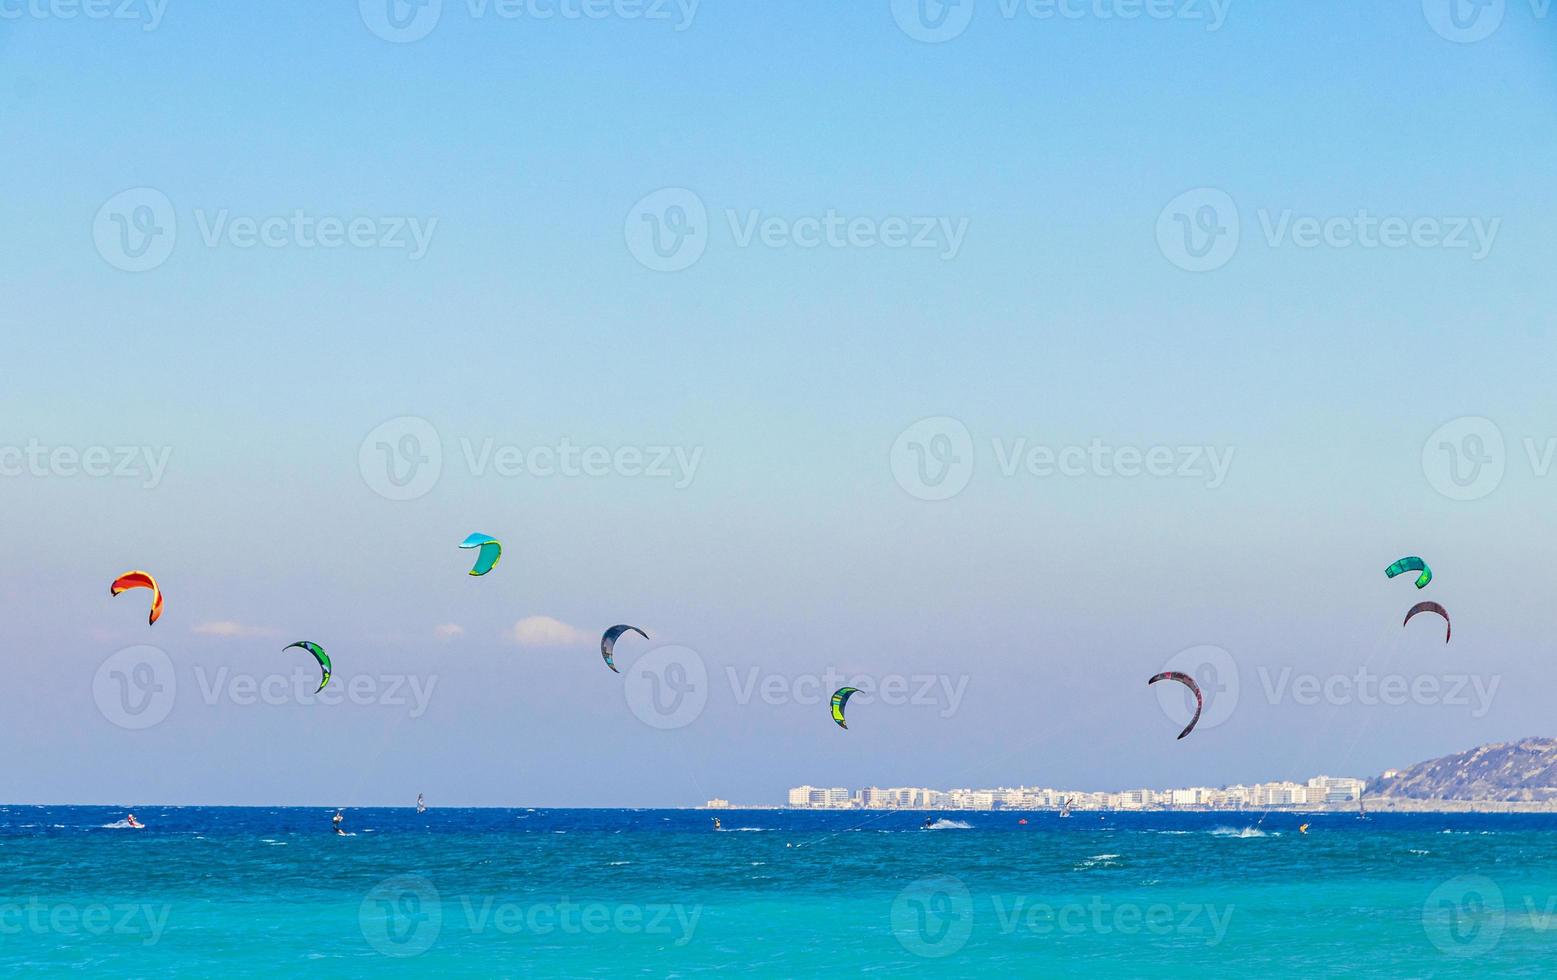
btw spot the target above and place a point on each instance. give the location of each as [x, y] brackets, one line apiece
[717, 824]
[337, 820]
[420, 806]
[130, 819]
[928, 823]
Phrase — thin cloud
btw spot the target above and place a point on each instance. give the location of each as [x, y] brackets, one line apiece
[228, 629]
[544, 631]
[448, 631]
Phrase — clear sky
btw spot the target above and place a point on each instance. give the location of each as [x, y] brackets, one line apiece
[770, 238]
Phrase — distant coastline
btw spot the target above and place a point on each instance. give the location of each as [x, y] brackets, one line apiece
[1502, 777]
[1369, 804]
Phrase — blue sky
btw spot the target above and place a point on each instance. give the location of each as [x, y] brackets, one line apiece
[524, 150]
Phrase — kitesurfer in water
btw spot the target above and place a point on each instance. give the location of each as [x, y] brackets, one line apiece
[717, 825]
[928, 823]
[337, 820]
[130, 819]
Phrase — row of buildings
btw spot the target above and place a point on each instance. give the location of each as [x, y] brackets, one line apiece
[1319, 791]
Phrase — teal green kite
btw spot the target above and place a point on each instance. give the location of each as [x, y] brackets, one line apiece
[1412, 564]
[319, 655]
[491, 551]
[840, 698]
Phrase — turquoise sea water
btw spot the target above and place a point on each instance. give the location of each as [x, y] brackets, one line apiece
[451, 892]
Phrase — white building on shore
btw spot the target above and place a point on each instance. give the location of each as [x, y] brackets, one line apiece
[1318, 791]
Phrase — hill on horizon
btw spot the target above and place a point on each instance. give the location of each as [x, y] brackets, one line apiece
[1522, 771]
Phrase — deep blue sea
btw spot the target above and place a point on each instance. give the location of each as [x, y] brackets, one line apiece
[239, 892]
